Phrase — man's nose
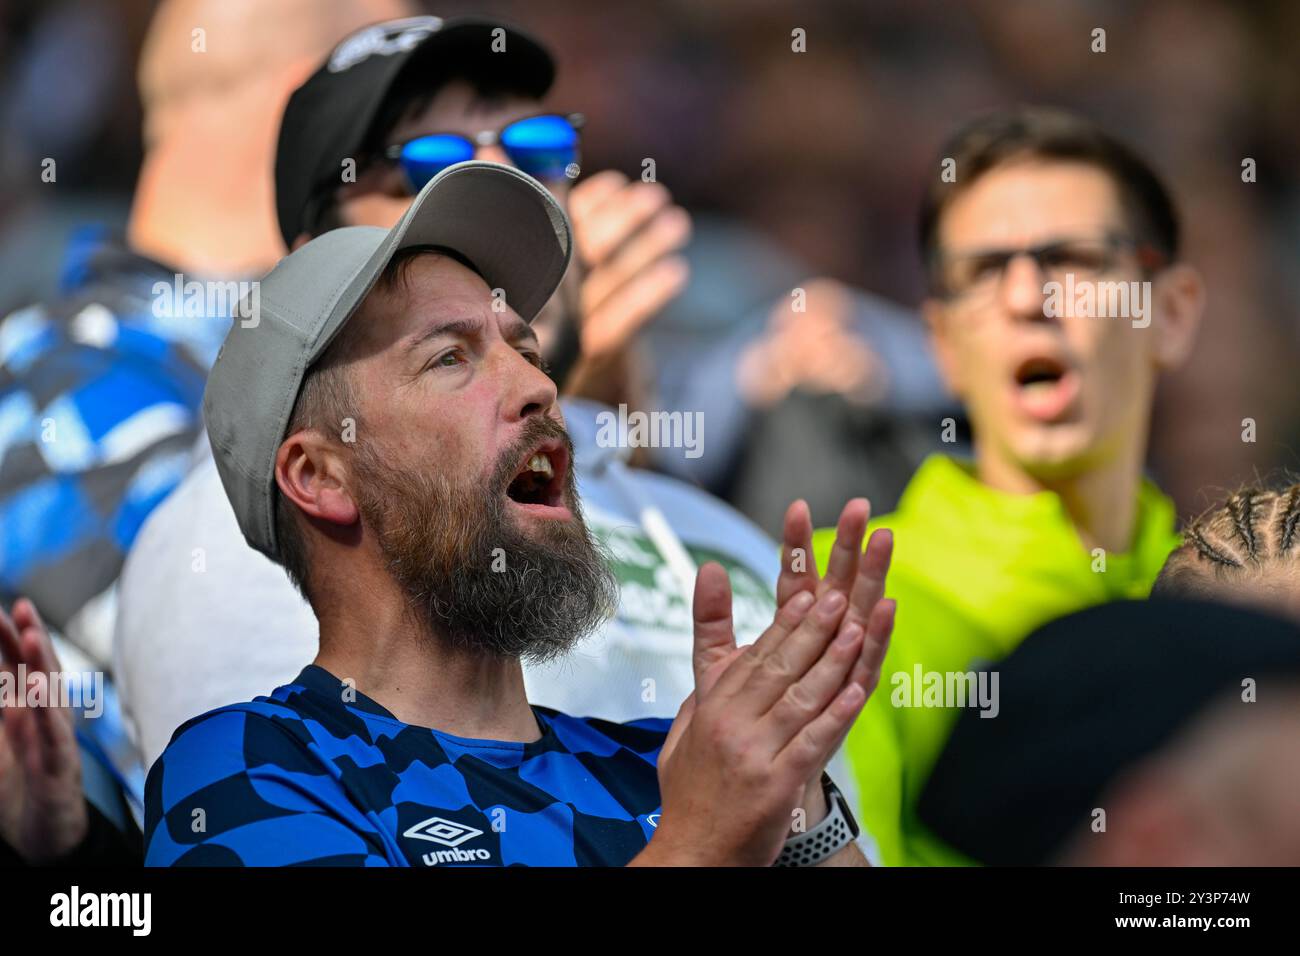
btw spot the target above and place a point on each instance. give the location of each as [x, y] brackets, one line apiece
[493, 154]
[1022, 289]
[530, 390]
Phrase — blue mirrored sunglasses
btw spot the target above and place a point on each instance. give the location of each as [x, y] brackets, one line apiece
[542, 146]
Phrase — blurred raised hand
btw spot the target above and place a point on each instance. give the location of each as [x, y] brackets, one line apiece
[629, 236]
[816, 349]
[42, 810]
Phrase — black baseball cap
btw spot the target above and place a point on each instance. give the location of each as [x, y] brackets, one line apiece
[1083, 700]
[330, 117]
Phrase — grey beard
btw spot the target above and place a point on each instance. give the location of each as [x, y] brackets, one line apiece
[475, 579]
[536, 608]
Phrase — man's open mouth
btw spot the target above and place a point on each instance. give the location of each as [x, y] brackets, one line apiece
[539, 483]
[1046, 387]
[1039, 373]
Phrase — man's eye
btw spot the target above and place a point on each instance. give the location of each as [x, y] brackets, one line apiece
[536, 359]
[393, 182]
[448, 359]
[970, 270]
[1085, 260]
[982, 267]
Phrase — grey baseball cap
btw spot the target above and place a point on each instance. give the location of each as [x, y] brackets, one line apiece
[500, 219]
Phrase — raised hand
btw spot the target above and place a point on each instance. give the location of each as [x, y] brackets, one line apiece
[860, 576]
[750, 744]
[629, 236]
[817, 349]
[42, 810]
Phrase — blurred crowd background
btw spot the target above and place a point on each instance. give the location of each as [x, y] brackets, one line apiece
[808, 165]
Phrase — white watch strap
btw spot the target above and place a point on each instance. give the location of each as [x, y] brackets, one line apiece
[827, 838]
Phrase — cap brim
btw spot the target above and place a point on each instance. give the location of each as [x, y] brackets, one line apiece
[503, 221]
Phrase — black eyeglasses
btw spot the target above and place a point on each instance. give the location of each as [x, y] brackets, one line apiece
[545, 147]
[975, 274]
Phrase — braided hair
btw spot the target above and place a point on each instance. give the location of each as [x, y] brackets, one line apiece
[1251, 534]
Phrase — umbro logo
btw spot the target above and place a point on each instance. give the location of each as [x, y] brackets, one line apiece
[438, 830]
[450, 834]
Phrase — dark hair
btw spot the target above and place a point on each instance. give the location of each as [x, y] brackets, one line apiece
[326, 398]
[415, 88]
[1027, 132]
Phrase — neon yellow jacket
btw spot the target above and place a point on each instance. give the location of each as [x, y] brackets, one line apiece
[974, 572]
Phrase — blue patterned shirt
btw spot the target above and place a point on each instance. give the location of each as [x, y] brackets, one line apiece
[100, 394]
[320, 774]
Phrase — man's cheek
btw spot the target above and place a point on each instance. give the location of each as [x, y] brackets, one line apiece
[979, 370]
[474, 437]
[1116, 361]
[437, 445]
[373, 209]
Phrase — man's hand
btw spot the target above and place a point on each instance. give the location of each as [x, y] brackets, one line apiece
[749, 746]
[862, 574]
[42, 810]
[629, 236]
[817, 350]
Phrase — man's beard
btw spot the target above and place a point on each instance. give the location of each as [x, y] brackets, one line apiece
[478, 580]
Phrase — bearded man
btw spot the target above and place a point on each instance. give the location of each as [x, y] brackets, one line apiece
[385, 430]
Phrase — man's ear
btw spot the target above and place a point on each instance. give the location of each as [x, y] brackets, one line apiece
[1179, 302]
[311, 473]
[945, 350]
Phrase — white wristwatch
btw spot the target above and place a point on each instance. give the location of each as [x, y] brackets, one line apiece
[827, 838]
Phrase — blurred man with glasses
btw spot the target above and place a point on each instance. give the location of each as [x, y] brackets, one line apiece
[1031, 213]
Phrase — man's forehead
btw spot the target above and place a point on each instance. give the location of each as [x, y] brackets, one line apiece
[433, 291]
[1033, 201]
[458, 107]
[428, 324]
